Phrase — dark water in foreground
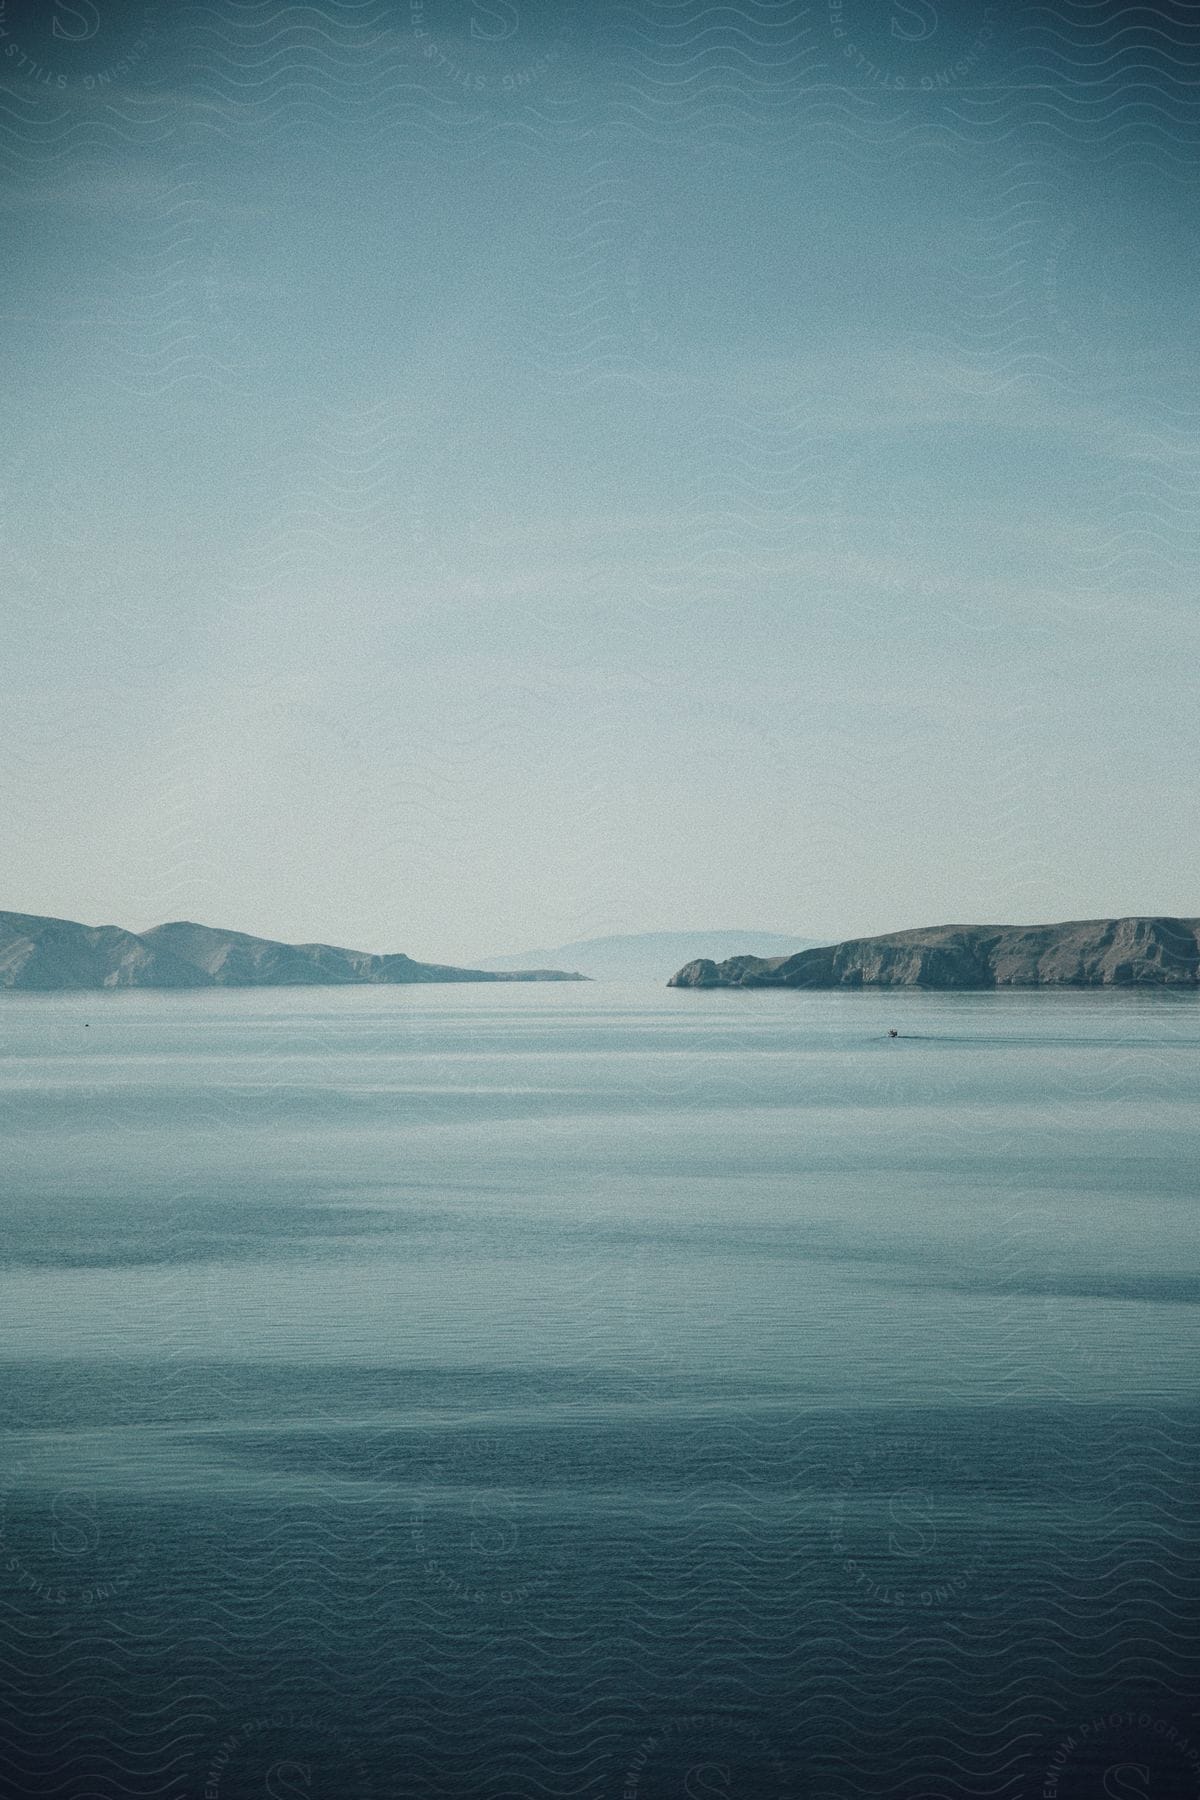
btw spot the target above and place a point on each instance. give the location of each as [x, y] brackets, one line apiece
[586, 1391]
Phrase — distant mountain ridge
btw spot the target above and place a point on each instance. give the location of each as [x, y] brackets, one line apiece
[44, 954]
[650, 955]
[1150, 951]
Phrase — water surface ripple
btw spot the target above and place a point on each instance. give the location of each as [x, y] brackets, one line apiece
[607, 1392]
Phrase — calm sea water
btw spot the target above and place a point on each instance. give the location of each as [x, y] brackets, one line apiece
[542, 1391]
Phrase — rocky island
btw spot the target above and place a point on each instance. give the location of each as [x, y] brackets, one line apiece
[1159, 952]
[42, 954]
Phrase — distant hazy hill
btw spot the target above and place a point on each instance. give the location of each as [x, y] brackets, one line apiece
[1080, 953]
[40, 953]
[651, 955]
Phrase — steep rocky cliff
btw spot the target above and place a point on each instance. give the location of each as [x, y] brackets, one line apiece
[1089, 953]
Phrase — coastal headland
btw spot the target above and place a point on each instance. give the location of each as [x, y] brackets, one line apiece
[42, 954]
[1128, 952]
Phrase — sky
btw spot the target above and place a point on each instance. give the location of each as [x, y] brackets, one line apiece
[485, 475]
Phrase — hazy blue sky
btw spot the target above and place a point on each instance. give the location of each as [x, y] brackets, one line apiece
[482, 475]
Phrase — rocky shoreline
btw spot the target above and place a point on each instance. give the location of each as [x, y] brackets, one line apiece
[1127, 952]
